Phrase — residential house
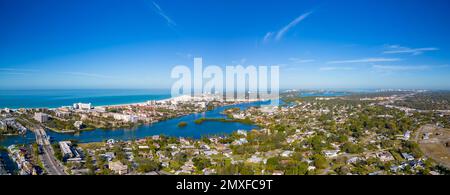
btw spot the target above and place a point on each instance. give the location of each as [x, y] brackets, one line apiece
[118, 167]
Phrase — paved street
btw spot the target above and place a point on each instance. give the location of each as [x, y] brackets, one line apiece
[51, 164]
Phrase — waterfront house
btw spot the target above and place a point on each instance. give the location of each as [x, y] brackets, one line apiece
[242, 132]
[78, 124]
[110, 142]
[185, 142]
[126, 118]
[240, 141]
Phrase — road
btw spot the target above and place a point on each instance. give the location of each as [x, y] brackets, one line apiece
[51, 164]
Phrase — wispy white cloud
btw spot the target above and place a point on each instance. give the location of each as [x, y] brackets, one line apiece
[280, 33]
[301, 61]
[335, 68]
[285, 29]
[159, 11]
[391, 68]
[85, 74]
[267, 37]
[397, 49]
[364, 60]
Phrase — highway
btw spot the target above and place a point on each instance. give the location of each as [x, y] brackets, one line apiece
[51, 164]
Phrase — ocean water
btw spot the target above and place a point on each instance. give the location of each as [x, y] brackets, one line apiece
[58, 98]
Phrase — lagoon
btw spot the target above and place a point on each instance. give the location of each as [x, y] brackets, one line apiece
[167, 127]
[7, 162]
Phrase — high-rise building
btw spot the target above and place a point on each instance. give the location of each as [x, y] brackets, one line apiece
[82, 106]
[41, 117]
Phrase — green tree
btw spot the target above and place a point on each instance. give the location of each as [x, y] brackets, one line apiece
[89, 163]
[182, 124]
[147, 165]
[119, 153]
[352, 148]
[273, 163]
[320, 161]
[201, 162]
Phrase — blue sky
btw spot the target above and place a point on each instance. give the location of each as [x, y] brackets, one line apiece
[135, 43]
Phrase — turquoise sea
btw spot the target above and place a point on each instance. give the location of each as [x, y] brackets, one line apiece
[58, 98]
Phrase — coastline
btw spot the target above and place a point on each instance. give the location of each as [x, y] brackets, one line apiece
[52, 99]
[100, 106]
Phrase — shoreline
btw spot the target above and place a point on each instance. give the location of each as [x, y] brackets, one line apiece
[99, 105]
[126, 104]
[142, 124]
[52, 108]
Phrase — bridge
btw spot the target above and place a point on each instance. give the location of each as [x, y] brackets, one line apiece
[51, 164]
